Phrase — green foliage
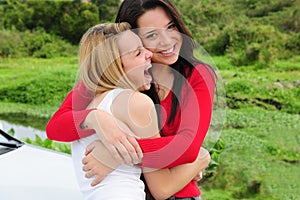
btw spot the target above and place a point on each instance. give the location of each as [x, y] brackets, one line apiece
[215, 153]
[248, 31]
[75, 18]
[68, 19]
[41, 81]
[39, 90]
[259, 141]
[49, 144]
[11, 132]
[260, 146]
[253, 43]
[107, 9]
[37, 43]
[253, 87]
[261, 132]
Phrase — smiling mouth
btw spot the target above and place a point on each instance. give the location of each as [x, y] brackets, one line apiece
[168, 52]
[147, 73]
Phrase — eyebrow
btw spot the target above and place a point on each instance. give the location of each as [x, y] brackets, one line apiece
[132, 51]
[139, 48]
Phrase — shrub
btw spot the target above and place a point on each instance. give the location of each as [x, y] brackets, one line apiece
[68, 19]
[36, 43]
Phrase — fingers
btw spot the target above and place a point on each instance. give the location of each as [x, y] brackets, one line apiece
[96, 181]
[91, 169]
[130, 150]
[129, 153]
[203, 154]
[90, 173]
[126, 150]
[90, 147]
[114, 152]
[123, 152]
[198, 177]
[137, 148]
[94, 169]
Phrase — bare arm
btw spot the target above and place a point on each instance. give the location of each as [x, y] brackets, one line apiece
[163, 183]
[64, 125]
[120, 142]
[196, 111]
[141, 118]
[73, 121]
[102, 166]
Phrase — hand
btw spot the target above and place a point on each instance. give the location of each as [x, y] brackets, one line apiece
[198, 177]
[119, 141]
[93, 166]
[203, 159]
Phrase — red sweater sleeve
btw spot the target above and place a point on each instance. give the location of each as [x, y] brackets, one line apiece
[64, 125]
[196, 112]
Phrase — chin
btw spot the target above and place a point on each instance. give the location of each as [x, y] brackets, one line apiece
[167, 61]
[146, 87]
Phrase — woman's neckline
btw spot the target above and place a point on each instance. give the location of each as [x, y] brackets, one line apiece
[163, 78]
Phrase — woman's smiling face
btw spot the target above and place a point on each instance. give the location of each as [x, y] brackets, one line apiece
[160, 35]
[136, 60]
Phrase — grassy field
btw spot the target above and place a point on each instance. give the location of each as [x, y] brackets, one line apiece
[261, 159]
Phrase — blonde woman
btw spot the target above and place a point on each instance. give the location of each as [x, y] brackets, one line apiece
[114, 66]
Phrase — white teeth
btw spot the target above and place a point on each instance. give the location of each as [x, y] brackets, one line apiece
[148, 67]
[168, 51]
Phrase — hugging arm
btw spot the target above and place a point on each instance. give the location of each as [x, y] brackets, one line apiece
[164, 183]
[143, 120]
[65, 126]
[196, 111]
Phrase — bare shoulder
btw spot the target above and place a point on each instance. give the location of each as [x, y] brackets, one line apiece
[137, 111]
[131, 102]
[139, 100]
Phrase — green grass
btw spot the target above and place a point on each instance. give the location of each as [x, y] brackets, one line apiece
[262, 156]
[32, 89]
[261, 159]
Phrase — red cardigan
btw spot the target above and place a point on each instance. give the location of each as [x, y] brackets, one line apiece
[181, 140]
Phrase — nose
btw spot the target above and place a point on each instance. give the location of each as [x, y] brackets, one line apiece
[165, 38]
[148, 54]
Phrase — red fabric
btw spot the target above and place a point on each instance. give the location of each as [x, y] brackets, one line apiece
[181, 142]
[64, 125]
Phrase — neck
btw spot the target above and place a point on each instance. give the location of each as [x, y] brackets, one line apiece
[161, 72]
[163, 77]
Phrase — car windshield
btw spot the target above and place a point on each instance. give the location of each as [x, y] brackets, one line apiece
[8, 143]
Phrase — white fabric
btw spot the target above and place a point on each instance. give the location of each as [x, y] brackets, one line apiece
[122, 184]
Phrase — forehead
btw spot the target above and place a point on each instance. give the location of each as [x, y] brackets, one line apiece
[156, 17]
[128, 41]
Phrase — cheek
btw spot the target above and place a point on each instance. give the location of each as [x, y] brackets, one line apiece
[135, 74]
[150, 45]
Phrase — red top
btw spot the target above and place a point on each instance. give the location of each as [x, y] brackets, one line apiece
[181, 141]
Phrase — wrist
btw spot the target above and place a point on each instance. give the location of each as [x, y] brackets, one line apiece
[88, 122]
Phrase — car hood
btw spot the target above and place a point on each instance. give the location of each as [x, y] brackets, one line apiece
[32, 173]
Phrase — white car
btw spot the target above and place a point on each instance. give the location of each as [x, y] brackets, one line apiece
[29, 172]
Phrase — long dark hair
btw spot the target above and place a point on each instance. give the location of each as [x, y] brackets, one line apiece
[131, 10]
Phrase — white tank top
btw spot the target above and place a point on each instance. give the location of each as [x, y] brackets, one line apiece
[122, 184]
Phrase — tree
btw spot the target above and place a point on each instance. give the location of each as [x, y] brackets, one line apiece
[107, 9]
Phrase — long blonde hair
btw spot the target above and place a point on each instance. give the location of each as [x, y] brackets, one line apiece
[99, 58]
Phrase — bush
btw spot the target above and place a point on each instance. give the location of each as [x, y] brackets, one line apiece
[37, 43]
[251, 43]
[47, 88]
[68, 19]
